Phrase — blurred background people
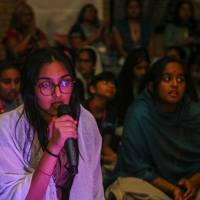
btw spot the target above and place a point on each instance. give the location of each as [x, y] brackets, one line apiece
[194, 66]
[159, 152]
[88, 30]
[103, 89]
[23, 37]
[88, 64]
[130, 78]
[9, 86]
[176, 52]
[133, 31]
[184, 31]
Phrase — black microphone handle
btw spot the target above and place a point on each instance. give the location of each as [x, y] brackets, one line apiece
[70, 147]
[70, 144]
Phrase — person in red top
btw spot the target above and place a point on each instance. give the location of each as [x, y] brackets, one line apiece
[23, 37]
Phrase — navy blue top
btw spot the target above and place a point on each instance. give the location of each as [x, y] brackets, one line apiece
[123, 28]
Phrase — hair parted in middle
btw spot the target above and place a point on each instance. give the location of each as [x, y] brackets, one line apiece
[30, 75]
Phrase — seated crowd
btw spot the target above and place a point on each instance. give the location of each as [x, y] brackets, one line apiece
[148, 113]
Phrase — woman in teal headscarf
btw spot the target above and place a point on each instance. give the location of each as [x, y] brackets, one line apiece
[161, 139]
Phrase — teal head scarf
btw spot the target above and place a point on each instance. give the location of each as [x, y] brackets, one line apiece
[159, 144]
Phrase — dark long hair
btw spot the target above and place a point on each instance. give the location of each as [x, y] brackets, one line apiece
[124, 95]
[128, 1]
[127, 4]
[106, 76]
[30, 75]
[82, 12]
[194, 60]
[15, 20]
[8, 64]
[91, 53]
[180, 51]
[155, 75]
[126, 77]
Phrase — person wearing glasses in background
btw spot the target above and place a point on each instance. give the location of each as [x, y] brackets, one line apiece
[34, 163]
[87, 66]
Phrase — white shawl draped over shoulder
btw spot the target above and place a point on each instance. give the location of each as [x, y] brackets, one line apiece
[16, 172]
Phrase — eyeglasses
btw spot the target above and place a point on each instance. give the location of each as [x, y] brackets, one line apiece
[48, 88]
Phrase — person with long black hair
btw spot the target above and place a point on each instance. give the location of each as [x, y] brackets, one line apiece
[184, 30]
[159, 156]
[130, 79]
[88, 30]
[23, 37]
[34, 163]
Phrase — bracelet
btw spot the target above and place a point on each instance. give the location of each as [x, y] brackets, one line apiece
[51, 153]
[172, 188]
[43, 172]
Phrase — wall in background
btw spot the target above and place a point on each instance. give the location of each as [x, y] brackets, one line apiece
[59, 16]
[104, 7]
[62, 14]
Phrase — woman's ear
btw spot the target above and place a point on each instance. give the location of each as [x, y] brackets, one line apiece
[150, 85]
[92, 89]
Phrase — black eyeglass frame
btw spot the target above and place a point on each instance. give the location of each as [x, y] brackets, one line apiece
[40, 85]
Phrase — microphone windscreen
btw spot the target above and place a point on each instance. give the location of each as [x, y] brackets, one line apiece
[64, 109]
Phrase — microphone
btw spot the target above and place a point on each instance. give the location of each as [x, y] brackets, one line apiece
[70, 145]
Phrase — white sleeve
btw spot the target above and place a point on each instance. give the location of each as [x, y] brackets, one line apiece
[15, 176]
[88, 183]
[16, 169]
[98, 182]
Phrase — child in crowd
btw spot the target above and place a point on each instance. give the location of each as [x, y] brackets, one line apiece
[159, 155]
[10, 78]
[88, 64]
[103, 90]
